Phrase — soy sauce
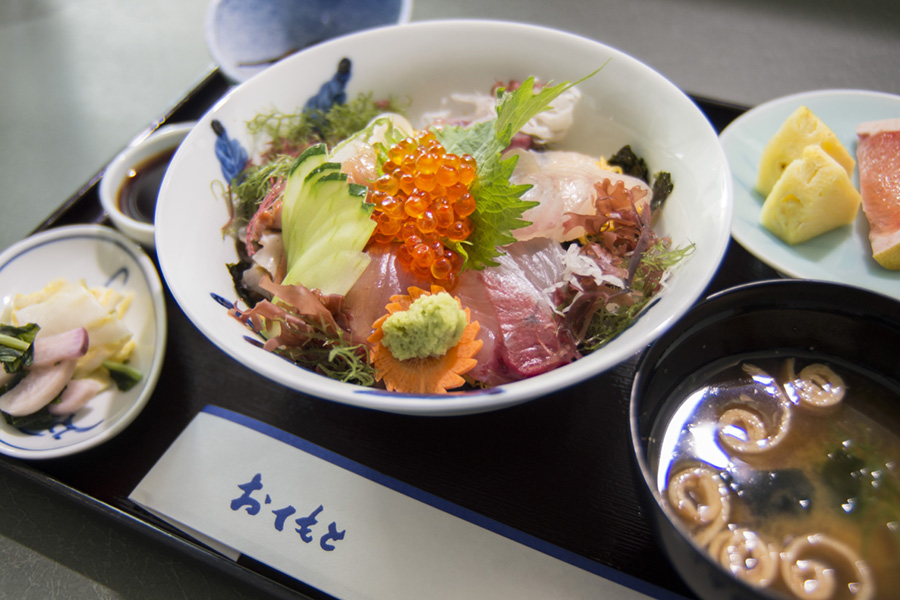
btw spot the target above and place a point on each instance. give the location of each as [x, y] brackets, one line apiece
[137, 196]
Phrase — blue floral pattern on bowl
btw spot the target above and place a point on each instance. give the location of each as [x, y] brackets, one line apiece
[231, 154]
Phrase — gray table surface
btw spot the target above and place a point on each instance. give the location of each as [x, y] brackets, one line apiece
[80, 78]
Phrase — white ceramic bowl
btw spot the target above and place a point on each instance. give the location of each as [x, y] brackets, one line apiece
[627, 102]
[100, 256]
[124, 166]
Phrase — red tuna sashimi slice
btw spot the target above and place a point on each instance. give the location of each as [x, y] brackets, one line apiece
[383, 277]
[878, 155]
[490, 368]
[522, 334]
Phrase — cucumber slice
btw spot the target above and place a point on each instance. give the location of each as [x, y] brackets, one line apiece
[308, 160]
[326, 224]
[296, 226]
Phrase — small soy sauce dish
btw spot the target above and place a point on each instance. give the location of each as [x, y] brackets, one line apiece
[130, 184]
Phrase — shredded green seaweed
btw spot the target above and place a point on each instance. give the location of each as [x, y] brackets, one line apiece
[255, 185]
[609, 322]
[291, 132]
[328, 352]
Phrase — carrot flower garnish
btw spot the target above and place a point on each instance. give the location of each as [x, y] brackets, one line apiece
[425, 342]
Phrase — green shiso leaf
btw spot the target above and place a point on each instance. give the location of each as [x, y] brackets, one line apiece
[499, 202]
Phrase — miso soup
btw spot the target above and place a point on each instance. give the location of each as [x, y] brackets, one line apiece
[787, 472]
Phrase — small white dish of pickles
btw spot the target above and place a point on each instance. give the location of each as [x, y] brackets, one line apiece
[842, 255]
[93, 285]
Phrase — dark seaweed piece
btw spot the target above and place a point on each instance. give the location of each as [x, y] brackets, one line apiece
[39, 420]
[786, 491]
[246, 294]
[662, 187]
[843, 474]
[630, 163]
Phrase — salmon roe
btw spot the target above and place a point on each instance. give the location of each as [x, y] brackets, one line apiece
[422, 199]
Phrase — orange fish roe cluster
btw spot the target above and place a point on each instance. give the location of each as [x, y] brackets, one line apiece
[422, 199]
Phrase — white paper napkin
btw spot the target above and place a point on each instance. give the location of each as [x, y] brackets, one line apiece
[243, 487]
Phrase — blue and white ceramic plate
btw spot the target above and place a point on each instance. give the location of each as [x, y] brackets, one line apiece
[100, 256]
[843, 255]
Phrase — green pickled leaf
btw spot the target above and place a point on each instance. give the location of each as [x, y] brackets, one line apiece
[16, 346]
[123, 376]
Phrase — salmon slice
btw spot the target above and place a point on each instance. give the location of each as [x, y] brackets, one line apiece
[878, 156]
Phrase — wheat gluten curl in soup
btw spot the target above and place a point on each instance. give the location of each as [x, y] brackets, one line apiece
[785, 471]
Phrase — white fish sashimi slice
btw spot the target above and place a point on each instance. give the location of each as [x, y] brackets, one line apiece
[541, 260]
[549, 126]
[357, 154]
[562, 183]
[270, 253]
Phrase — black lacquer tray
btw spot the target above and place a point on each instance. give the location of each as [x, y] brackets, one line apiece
[558, 468]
